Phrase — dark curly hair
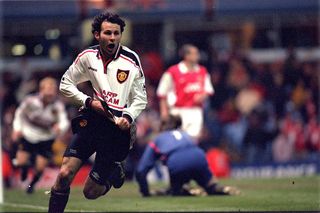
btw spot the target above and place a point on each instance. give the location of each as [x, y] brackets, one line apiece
[173, 122]
[109, 17]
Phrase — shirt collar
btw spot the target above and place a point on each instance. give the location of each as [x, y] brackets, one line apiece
[116, 55]
[184, 69]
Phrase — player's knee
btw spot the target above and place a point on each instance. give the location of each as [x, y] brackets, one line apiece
[90, 194]
[66, 174]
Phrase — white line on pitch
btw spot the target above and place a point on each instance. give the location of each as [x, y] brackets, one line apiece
[38, 207]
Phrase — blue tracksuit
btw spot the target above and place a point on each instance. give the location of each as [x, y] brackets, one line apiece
[184, 159]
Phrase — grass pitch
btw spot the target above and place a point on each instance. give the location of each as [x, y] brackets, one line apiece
[284, 194]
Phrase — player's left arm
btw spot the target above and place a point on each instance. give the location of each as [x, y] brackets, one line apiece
[208, 88]
[146, 163]
[62, 124]
[137, 100]
[207, 91]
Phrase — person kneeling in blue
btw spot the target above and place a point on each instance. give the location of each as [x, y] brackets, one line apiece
[184, 159]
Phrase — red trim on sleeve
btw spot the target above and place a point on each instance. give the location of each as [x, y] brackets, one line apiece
[154, 147]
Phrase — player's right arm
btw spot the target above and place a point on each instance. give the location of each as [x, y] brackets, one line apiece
[18, 120]
[76, 74]
[165, 86]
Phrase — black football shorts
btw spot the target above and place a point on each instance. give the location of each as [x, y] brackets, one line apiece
[98, 134]
[43, 148]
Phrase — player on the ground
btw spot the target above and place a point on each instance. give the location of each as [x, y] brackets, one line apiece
[185, 161]
[104, 126]
[38, 120]
[191, 85]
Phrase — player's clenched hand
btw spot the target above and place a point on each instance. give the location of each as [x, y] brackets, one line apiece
[97, 106]
[16, 135]
[123, 123]
[56, 129]
[199, 98]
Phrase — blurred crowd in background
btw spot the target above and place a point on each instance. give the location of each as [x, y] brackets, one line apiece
[261, 112]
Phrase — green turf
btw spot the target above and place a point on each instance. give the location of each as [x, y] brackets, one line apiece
[290, 194]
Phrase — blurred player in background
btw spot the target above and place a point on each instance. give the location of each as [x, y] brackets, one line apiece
[190, 83]
[38, 120]
[185, 162]
[106, 121]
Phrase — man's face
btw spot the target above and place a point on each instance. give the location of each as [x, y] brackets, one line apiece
[109, 37]
[193, 55]
[48, 92]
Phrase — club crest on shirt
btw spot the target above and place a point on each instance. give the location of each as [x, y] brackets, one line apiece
[122, 75]
[83, 123]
